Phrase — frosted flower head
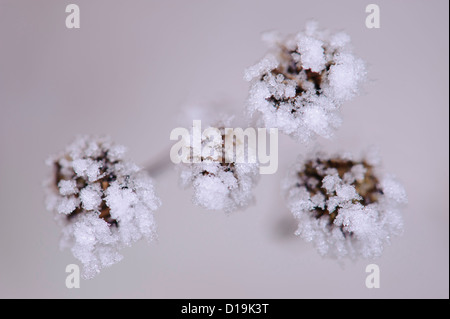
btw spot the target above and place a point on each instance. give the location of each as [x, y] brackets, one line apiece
[344, 206]
[102, 202]
[218, 180]
[300, 84]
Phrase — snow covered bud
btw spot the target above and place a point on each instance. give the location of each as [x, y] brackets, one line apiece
[102, 202]
[300, 84]
[345, 207]
[218, 166]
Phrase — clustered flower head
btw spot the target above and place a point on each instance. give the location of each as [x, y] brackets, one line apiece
[219, 181]
[102, 202]
[300, 84]
[346, 207]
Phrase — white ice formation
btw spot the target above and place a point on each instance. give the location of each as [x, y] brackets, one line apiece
[101, 201]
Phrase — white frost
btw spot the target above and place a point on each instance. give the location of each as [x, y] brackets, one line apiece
[299, 86]
[102, 202]
[359, 228]
[219, 182]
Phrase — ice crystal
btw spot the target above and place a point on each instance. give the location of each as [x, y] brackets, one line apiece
[346, 207]
[218, 180]
[102, 202]
[299, 86]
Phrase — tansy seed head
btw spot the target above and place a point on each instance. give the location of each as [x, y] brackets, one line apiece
[101, 201]
[346, 207]
[219, 182]
[299, 86]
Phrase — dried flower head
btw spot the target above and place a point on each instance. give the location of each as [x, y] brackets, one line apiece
[219, 181]
[299, 86]
[345, 206]
[102, 202]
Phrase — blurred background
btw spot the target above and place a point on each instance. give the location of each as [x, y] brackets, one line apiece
[128, 71]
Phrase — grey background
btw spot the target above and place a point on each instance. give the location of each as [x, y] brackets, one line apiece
[129, 70]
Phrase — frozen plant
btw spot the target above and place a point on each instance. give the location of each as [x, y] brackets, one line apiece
[102, 202]
[218, 180]
[346, 207]
[299, 86]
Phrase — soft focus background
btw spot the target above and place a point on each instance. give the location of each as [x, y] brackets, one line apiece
[129, 70]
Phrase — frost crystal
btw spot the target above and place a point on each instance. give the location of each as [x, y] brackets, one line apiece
[219, 181]
[102, 202]
[345, 207]
[299, 86]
